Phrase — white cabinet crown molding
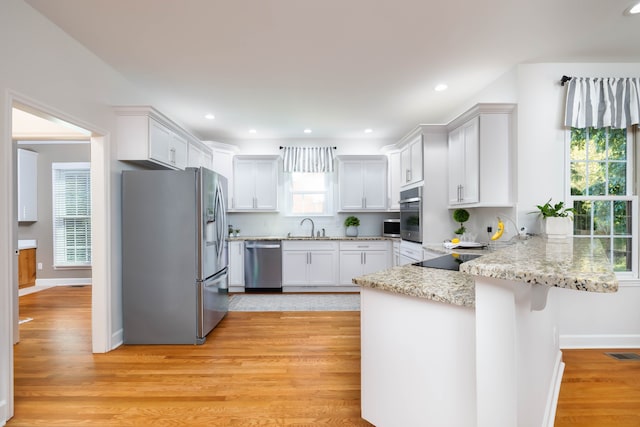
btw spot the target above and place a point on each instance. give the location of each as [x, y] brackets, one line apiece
[481, 108]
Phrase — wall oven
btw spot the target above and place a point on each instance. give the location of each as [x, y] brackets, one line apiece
[411, 214]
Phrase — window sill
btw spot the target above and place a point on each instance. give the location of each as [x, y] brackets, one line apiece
[72, 267]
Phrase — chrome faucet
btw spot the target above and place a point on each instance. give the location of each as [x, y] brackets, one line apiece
[313, 226]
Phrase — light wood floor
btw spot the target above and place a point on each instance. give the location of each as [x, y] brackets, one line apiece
[256, 369]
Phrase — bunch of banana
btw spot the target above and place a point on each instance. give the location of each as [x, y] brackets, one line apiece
[499, 231]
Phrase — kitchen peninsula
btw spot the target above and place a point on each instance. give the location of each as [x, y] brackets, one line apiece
[475, 347]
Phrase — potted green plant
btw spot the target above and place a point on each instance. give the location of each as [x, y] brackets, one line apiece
[352, 223]
[556, 219]
[461, 216]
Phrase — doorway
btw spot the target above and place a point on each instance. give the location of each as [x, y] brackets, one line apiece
[99, 156]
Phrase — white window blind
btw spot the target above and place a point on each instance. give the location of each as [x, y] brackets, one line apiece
[71, 214]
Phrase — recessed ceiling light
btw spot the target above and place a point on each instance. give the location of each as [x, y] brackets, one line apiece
[368, 130]
[633, 9]
[440, 87]
[209, 116]
[307, 131]
[253, 131]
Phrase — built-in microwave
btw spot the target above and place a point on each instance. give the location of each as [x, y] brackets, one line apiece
[391, 227]
[411, 214]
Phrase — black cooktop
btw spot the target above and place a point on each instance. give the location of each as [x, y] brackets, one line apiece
[447, 262]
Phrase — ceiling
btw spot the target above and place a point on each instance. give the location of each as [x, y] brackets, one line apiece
[336, 67]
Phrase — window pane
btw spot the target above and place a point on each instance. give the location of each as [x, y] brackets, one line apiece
[602, 217]
[617, 179]
[579, 178]
[582, 218]
[308, 203]
[72, 214]
[578, 151]
[617, 144]
[598, 144]
[621, 255]
[597, 178]
[307, 181]
[622, 217]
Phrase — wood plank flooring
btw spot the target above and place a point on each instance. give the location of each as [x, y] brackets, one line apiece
[599, 391]
[256, 369]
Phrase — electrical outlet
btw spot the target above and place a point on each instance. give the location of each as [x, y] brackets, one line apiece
[39, 266]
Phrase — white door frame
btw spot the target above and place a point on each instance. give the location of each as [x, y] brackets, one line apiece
[101, 237]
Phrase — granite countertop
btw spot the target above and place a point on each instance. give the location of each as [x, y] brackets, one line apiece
[446, 286]
[578, 264]
[242, 238]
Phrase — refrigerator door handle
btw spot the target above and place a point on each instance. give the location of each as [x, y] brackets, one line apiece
[221, 219]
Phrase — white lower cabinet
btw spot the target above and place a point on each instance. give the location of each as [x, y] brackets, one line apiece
[236, 264]
[309, 263]
[363, 257]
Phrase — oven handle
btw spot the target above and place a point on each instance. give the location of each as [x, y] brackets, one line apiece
[413, 199]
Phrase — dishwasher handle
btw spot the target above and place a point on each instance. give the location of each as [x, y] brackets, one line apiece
[262, 246]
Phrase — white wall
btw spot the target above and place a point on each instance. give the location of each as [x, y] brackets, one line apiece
[43, 66]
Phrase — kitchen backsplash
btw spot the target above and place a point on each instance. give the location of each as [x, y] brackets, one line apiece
[275, 224]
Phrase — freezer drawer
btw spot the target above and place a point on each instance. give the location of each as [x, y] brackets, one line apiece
[213, 303]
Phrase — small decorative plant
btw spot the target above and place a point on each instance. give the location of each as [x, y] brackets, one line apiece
[556, 219]
[351, 221]
[558, 210]
[461, 216]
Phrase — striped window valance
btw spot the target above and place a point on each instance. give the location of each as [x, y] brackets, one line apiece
[308, 159]
[603, 102]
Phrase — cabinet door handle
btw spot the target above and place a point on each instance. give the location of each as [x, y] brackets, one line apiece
[360, 257]
[461, 193]
[310, 258]
[365, 257]
[407, 175]
[172, 156]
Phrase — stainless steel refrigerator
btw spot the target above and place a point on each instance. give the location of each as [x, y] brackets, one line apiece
[174, 255]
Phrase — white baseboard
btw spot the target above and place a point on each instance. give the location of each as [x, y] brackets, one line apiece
[117, 339]
[599, 341]
[554, 392]
[4, 417]
[64, 282]
[336, 289]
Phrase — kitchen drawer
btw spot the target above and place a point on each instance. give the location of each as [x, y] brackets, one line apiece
[368, 245]
[309, 245]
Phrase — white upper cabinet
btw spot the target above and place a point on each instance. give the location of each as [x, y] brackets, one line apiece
[363, 183]
[199, 155]
[464, 162]
[394, 181]
[411, 160]
[146, 136]
[481, 157]
[255, 183]
[27, 185]
[222, 163]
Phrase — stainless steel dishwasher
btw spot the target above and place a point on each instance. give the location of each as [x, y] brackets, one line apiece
[263, 266]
